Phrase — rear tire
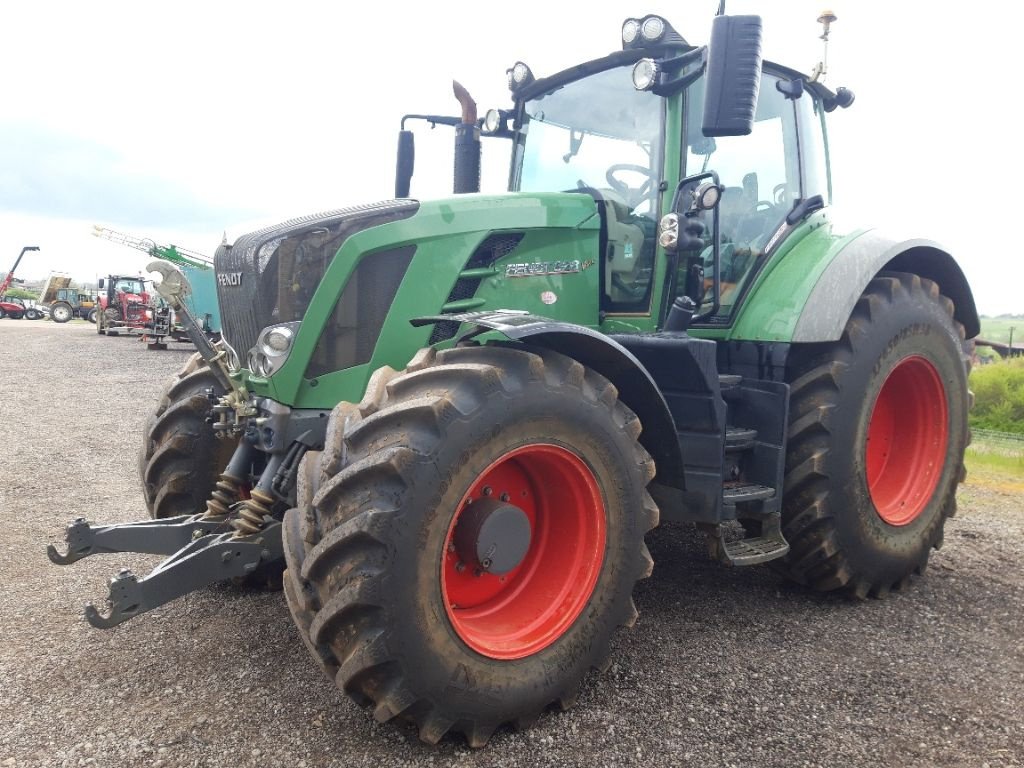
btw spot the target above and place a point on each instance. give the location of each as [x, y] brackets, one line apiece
[92, 315]
[181, 458]
[371, 555]
[878, 428]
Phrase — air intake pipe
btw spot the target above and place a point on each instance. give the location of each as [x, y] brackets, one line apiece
[467, 144]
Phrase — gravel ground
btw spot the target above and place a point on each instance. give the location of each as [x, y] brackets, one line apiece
[724, 667]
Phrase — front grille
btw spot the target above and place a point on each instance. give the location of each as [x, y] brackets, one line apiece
[495, 248]
[249, 288]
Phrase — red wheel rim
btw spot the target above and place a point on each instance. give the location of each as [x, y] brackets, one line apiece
[907, 438]
[527, 609]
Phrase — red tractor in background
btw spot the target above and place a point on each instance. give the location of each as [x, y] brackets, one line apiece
[124, 304]
[15, 308]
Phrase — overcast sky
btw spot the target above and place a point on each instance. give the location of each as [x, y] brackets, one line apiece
[180, 122]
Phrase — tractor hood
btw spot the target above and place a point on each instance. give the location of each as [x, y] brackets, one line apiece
[270, 277]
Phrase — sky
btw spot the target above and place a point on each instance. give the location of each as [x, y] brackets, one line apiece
[189, 121]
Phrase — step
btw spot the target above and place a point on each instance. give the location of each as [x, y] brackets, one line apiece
[754, 551]
[738, 493]
[728, 380]
[739, 438]
[770, 544]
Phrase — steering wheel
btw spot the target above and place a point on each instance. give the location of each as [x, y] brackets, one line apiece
[634, 196]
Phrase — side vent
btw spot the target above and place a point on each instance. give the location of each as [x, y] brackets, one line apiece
[480, 265]
[350, 336]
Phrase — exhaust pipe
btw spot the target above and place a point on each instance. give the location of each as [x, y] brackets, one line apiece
[467, 144]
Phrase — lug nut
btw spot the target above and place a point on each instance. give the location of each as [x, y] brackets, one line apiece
[505, 496]
[488, 490]
[460, 566]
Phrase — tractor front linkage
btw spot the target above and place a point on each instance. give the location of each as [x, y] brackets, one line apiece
[202, 550]
[231, 539]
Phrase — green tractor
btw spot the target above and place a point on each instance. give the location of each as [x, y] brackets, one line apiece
[451, 423]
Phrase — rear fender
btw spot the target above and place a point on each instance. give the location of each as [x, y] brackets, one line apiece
[597, 351]
[832, 299]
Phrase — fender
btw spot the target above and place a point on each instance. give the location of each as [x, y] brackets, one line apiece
[833, 297]
[808, 289]
[603, 354]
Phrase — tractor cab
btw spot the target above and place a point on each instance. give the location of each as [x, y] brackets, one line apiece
[629, 128]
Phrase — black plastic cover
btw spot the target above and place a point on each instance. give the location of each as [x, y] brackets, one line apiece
[733, 76]
[405, 163]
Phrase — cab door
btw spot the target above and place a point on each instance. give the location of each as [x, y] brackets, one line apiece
[763, 176]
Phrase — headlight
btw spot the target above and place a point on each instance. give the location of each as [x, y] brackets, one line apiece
[669, 237]
[645, 74]
[278, 340]
[272, 349]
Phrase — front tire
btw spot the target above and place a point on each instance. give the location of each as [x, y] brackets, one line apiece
[181, 458]
[33, 314]
[878, 428]
[374, 579]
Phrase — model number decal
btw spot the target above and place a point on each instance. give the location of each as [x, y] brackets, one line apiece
[539, 268]
[227, 279]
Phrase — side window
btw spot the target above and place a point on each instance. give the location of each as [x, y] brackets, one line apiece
[761, 176]
[811, 115]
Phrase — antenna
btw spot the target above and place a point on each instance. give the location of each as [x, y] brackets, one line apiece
[821, 68]
[721, 8]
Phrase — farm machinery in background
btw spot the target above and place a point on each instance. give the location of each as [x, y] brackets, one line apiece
[12, 307]
[197, 267]
[63, 302]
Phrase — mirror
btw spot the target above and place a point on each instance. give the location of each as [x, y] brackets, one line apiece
[404, 165]
[100, 284]
[733, 76]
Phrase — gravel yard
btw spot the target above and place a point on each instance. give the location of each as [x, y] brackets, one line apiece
[724, 667]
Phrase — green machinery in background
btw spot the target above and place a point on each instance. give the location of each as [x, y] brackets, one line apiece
[197, 267]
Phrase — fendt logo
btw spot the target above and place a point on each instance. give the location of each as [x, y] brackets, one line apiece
[229, 279]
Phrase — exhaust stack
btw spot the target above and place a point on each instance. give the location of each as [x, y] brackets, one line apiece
[467, 144]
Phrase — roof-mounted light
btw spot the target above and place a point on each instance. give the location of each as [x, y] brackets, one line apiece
[650, 31]
[630, 30]
[645, 74]
[519, 76]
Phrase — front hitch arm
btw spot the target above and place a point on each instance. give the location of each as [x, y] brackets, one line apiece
[156, 537]
[205, 561]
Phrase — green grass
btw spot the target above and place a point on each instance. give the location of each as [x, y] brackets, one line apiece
[998, 328]
[1011, 466]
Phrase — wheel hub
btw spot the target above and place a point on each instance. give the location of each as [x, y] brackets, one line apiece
[493, 536]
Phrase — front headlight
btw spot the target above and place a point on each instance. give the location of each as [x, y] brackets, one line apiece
[273, 346]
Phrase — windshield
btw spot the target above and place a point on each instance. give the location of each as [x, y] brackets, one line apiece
[601, 136]
[596, 133]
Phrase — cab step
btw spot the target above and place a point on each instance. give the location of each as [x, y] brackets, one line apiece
[728, 380]
[770, 545]
[739, 438]
[738, 493]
